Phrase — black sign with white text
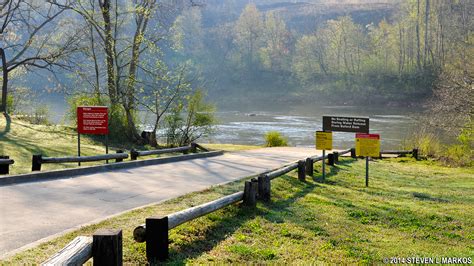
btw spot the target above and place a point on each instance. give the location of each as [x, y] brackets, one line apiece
[346, 124]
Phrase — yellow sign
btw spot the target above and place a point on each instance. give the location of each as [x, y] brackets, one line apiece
[323, 140]
[368, 145]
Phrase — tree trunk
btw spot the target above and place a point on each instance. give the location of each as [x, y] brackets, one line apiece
[3, 107]
[427, 18]
[132, 129]
[417, 28]
[109, 51]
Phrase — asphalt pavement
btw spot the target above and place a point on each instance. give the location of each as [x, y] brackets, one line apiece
[31, 212]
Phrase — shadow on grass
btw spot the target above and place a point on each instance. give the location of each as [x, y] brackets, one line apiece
[235, 217]
[333, 171]
[209, 236]
[7, 126]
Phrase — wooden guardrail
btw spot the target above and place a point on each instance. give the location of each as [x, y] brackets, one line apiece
[5, 163]
[155, 230]
[38, 160]
[134, 154]
[413, 152]
[105, 247]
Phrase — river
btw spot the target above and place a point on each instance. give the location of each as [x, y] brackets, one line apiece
[298, 124]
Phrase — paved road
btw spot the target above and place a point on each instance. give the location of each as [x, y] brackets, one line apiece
[33, 211]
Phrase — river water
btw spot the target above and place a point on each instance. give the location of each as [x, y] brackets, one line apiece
[299, 124]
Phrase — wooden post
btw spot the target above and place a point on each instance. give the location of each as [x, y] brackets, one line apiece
[193, 147]
[107, 247]
[264, 187]
[301, 170]
[336, 157]
[415, 153]
[107, 146]
[4, 168]
[367, 171]
[309, 167]
[331, 159]
[157, 239]
[250, 193]
[36, 162]
[118, 160]
[324, 164]
[133, 155]
[353, 153]
[78, 146]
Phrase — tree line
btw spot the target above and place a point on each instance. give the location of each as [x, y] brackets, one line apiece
[111, 53]
[420, 40]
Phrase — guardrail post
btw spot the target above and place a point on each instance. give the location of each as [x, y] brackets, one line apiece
[301, 170]
[157, 239]
[193, 147]
[264, 187]
[415, 153]
[250, 193]
[4, 168]
[331, 159]
[133, 155]
[353, 153]
[118, 160]
[309, 166]
[336, 157]
[107, 247]
[36, 165]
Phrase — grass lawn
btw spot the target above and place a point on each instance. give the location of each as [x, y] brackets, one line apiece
[21, 140]
[410, 209]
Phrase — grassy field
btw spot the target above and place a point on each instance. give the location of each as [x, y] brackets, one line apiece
[21, 140]
[410, 209]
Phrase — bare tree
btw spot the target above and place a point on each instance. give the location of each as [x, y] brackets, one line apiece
[123, 36]
[26, 31]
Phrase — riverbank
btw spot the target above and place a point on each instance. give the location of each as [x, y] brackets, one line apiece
[412, 208]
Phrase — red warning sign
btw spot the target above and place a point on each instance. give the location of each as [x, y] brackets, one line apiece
[93, 120]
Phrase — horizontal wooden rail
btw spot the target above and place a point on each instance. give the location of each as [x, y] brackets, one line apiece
[83, 159]
[281, 171]
[396, 152]
[134, 154]
[178, 218]
[6, 161]
[344, 152]
[77, 252]
[413, 152]
[38, 160]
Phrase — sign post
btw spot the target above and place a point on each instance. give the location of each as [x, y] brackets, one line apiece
[92, 120]
[324, 142]
[367, 145]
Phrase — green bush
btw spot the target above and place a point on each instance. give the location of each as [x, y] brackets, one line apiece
[427, 143]
[461, 153]
[10, 104]
[117, 118]
[80, 100]
[190, 120]
[275, 139]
